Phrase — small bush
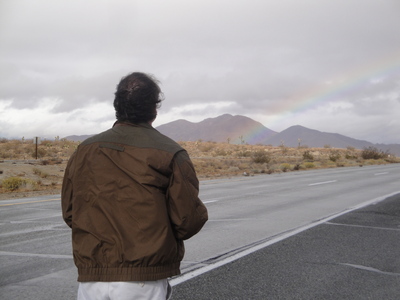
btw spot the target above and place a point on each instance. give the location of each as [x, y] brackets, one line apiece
[206, 147]
[284, 149]
[221, 152]
[36, 171]
[349, 155]
[261, 157]
[308, 156]
[309, 165]
[373, 153]
[4, 154]
[40, 173]
[297, 167]
[40, 153]
[13, 183]
[392, 159]
[285, 167]
[334, 155]
[243, 153]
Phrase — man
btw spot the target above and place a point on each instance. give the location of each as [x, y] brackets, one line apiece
[130, 195]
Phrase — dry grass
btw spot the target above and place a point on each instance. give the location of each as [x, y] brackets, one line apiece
[225, 160]
[212, 160]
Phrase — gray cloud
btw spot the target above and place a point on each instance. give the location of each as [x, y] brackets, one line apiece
[260, 54]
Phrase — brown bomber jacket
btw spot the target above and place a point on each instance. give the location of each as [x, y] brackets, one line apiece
[130, 195]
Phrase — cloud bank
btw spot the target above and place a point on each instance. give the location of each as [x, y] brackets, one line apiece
[327, 65]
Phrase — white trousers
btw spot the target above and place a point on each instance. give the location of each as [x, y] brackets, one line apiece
[130, 290]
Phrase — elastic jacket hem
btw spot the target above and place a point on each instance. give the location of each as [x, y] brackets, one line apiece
[128, 273]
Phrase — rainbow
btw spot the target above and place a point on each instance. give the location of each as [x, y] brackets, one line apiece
[351, 81]
[343, 84]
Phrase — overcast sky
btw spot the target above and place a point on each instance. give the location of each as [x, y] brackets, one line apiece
[328, 65]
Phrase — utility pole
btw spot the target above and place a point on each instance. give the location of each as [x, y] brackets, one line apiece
[36, 151]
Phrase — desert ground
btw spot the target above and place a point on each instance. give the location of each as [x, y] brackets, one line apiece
[29, 170]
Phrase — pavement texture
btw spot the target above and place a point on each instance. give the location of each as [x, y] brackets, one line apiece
[354, 256]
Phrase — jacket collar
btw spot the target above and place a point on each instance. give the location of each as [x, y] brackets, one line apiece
[142, 124]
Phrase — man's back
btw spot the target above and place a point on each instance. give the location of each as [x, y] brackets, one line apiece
[130, 195]
[122, 204]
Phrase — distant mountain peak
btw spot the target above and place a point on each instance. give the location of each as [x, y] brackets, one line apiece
[235, 129]
[240, 129]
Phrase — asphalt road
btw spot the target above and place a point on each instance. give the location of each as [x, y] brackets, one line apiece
[354, 256]
[245, 213]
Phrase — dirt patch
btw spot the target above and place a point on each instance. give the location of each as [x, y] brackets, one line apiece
[48, 178]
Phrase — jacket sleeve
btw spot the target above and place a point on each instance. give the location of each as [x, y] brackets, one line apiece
[187, 213]
[67, 193]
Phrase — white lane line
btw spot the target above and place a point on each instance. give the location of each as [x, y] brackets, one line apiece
[360, 267]
[211, 201]
[191, 274]
[35, 255]
[383, 173]
[239, 219]
[361, 226]
[323, 182]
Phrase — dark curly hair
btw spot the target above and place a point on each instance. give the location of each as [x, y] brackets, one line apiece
[137, 98]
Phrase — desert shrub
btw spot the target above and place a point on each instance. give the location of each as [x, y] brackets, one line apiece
[206, 147]
[36, 171]
[297, 167]
[28, 150]
[243, 153]
[327, 146]
[350, 155]
[285, 167]
[261, 157]
[13, 183]
[220, 152]
[8, 146]
[243, 166]
[334, 155]
[40, 173]
[40, 153]
[309, 165]
[284, 149]
[308, 156]
[4, 154]
[392, 159]
[373, 153]
[31, 184]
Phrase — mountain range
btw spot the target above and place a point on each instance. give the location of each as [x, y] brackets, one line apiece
[243, 130]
